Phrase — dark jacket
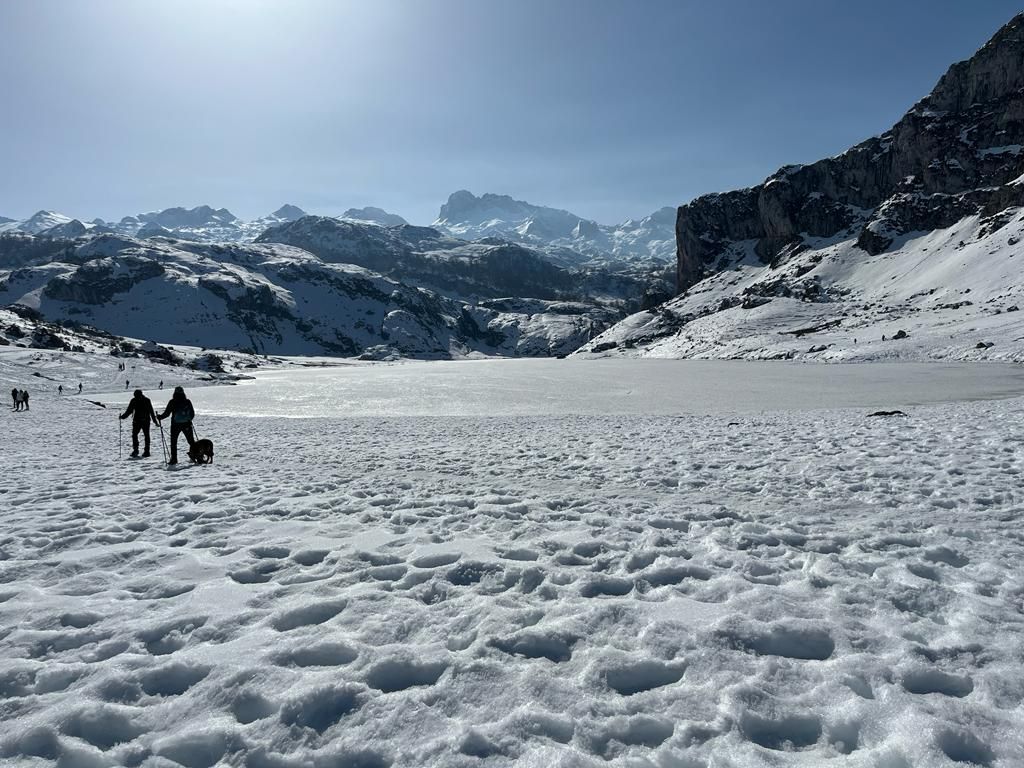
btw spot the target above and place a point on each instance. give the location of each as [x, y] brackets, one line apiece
[180, 409]
[141, 411]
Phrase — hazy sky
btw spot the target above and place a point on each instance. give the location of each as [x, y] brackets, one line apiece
[608, 108]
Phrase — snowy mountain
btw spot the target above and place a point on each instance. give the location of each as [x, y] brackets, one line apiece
[470, 217]
[426, 257]
[375, 216]
[272, 298]
[913, 234]
[202, 223]
[41, 221]
[469, 270]
[188, 218]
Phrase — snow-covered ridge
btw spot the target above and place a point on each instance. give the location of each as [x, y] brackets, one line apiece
[486, 268]
[467, 216]
[566, 239]
[274, 298]
[202, 223]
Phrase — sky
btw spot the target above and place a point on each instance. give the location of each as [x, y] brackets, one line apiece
[608, 108]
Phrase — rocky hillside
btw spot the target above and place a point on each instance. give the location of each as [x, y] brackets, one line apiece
[272, 298]
[915, 228]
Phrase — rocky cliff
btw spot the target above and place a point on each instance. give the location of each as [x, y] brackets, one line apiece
[957, 152]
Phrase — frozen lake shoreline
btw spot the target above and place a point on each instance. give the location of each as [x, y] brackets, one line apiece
[604, 388]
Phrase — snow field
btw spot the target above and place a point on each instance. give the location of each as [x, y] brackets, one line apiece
[761, 589]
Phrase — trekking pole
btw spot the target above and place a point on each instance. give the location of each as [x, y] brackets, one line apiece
[163, 442]
[120, 438]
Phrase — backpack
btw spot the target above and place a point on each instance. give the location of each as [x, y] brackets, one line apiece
[183, 413]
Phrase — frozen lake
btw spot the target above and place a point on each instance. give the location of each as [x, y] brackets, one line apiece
[604, 387]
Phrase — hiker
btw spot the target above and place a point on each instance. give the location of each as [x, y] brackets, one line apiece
[126, 383]
[60, 389]
[181, 412]
[141, 410]
[79, 387]
[14, 398]
[24, 399]
[161, 385]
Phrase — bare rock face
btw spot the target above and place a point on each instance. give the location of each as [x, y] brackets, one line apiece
[955, 153]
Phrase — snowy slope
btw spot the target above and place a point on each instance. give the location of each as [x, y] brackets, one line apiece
[806, 588]
[949, 290]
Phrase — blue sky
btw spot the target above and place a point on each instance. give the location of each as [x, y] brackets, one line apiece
[608, 108]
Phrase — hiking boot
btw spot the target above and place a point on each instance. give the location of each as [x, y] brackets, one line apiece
[173, 461]
[135, 454]
[145, 454]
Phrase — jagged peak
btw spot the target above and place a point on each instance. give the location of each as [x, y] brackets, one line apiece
[995, 70]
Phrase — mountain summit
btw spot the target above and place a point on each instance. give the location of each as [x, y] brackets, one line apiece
[288, 212]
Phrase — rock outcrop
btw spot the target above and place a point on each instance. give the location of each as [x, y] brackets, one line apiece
[955, 153]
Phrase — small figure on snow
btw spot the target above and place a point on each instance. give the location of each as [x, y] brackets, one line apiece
[141, 410]
[161, 385]
[79, 387]
[182, 413]
[126, 383]
[24, 399]
[60, 389]
[14, 398]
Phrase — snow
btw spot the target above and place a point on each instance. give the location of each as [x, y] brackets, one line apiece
[1011, 149]
[470, 217]
[948, 289]
[622, 562]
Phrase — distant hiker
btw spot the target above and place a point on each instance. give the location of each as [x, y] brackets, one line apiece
[79, 387]
[14, 398]
[60, 389]
[141, 410]
[126, 383]
[161, 386]
[24, 398]
[181, 412]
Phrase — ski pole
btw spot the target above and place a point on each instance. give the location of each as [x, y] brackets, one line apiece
[120, 437]
[163, 442]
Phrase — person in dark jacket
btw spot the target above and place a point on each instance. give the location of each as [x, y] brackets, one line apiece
[181, 412]
[141, 410]
[14, 397]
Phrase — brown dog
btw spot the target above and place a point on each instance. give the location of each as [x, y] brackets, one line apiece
[201, 452]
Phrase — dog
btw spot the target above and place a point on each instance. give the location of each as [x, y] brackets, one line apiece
[201, 452]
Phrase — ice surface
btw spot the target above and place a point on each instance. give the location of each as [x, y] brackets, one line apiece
[739, 582]
[606, 387]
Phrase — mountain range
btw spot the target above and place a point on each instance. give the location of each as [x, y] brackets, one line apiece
[271, 298]
[907, 245]
[567, 239]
